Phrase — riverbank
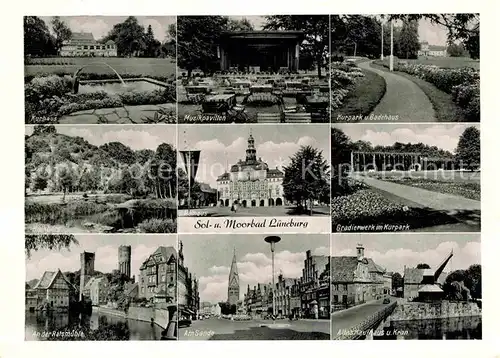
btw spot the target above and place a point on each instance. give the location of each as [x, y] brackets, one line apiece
[153, 315]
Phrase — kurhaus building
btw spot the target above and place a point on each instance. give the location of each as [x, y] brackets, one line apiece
[258, 51]
[250, 182]
[83, 44]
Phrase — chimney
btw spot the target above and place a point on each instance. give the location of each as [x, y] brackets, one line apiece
[360, 252]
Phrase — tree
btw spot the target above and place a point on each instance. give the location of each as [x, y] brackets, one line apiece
[61, 31]
[197, 40]
[37, 39]
[119, 152]
[341, 147]
[456, 50]
[462, 27]
[48, 242]
[129, 37]
[397, 280]
[423, 266]
[408, 40]
[316, 29]
[306, 177]
[163, 169]
[239, 25]
[468, 152]
[43, 129]
[152, 45]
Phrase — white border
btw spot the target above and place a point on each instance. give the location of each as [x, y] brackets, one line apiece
[11, 204]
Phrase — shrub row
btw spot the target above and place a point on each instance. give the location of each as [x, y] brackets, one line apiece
[461, 83]
[100, 76]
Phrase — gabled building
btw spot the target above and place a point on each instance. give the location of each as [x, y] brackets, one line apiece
[315, 286]
[250, 182]
[188, 299]
[54, 291]
[83, 44]
[432, 50]
[356, 280]
[97, 289]
[158, 275]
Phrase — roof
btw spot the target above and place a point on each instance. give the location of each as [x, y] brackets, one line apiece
[110, 42]
[343, 268]
[94, 280]
[224, 176]
[275, 173]
[373, 267]
[413, 276]
[82, 36]
[430, 288]
[166, 252]
[264, 34]
[205, 188]
[437, 48]
[132, 287]
[48, 278]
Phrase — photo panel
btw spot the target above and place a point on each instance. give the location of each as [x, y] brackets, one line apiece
[405, 68]
[100, 179]
[406, 287]
[100, 69]
[256, 287]
[406, 177]
[262, 178]
[89, 287]
[253, 69]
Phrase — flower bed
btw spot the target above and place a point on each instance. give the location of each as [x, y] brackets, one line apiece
[366, 206]
[465, 189]
[461, 83]
[48, 98]
[343, 76]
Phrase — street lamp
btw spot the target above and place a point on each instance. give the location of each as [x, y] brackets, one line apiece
[272, 240]
[391, 59]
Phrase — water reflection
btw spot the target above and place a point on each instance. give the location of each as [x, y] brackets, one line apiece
[450, 328]
[96, 327]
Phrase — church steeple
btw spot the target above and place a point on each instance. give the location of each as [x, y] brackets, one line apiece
[233, 288]
[251, 151]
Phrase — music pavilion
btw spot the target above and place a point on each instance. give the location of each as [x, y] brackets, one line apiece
[260, 50]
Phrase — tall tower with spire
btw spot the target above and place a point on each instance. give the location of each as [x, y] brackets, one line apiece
[233, 288]
[251, 151]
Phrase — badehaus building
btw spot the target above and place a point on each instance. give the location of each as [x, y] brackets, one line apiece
[83, 44]
[250, 182]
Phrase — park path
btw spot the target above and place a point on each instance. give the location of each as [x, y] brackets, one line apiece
[426, 198]
[402, 98]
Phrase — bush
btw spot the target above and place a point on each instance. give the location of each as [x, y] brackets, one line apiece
[158, 226]
[461, 83]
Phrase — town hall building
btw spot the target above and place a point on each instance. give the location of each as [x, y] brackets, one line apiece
[251, 182]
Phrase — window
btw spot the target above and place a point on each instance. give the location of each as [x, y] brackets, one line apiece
[344, 299]
[345, 286]
[335, 298]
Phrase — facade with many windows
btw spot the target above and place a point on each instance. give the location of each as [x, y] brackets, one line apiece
[54, 291]
[157, 277]
[97, 289]
[188, 297]
[356, 280]
[83, 44]
[250, 182]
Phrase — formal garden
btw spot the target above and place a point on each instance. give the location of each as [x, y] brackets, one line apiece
[356, 203]
[137, 86]
[74, 186]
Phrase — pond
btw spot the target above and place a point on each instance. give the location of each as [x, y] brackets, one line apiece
[96, 327]
[118, 87]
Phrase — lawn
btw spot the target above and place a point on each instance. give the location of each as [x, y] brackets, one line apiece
[445, 62]
[159, 67]
[446, 110]
[469, 190]
[363, 96]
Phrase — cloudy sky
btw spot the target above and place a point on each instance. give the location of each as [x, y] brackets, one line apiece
[394, 251]
[99, 26]
[443, 136]
[432, 33]
[105, 248]
[221, 144]
[209, 257]
[136, 137]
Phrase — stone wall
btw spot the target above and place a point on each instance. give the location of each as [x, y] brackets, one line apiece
[442, 309]
[145, 314]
